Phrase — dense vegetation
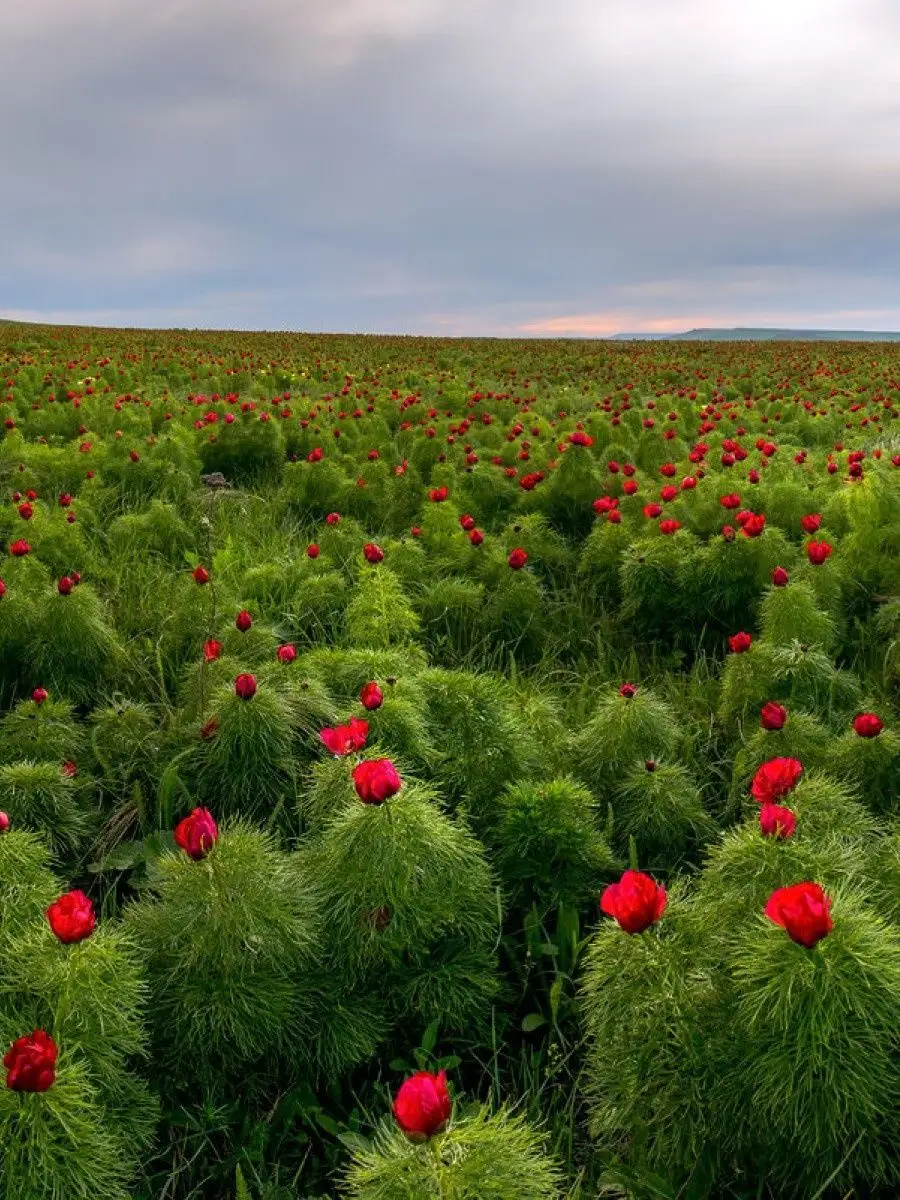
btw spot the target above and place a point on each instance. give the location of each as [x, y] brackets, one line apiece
[448, 769]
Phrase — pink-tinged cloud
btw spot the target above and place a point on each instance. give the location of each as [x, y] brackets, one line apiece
[606, 324]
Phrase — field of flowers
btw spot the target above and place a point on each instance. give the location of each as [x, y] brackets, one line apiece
[463, 770]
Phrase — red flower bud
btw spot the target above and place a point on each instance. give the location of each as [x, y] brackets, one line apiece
[371, 696]
[376, 780]
[39, 695]
[740, 642]
[423, 1106]
[312, 550]
[201, 575]
[4, 822]
[373, 553]
[286, 654]
[772, 716]
[197, 834]
[211, 650]
[65, 585]
[243, 620]
[245, 686]
[780, 577]
[867, 725]
[517, 558]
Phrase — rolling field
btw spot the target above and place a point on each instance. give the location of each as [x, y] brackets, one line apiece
[448, 769]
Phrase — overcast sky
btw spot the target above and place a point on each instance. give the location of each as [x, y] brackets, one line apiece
[494, 167]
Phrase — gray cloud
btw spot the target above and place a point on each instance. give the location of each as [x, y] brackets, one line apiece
[430, 166]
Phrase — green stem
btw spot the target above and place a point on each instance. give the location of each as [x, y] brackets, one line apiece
[440, 1175]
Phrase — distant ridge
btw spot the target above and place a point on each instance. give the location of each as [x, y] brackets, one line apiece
[761, 335]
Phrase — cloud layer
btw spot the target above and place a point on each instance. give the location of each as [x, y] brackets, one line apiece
[451, 166]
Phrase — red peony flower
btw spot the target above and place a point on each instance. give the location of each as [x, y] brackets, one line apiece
[669, 526]
[197, 834]
[636, 901]
[652, 511]
[775, 778]
[31, 1063]
[211, 650]
[245, 686]
[19, 548]
[376, 780]
[740, 642]
[517, 558]
[817, 552]
[201, 575]
[332, 518]
[579, 438]
[69, 768]
[779, 577]
[811, 522]
[373, 553]
[39, 695]
[344, 739]
[4, 822]
[26, 512]
[286, 654]
[476, 537]
[467, 522]
[867, 725]
[423, 1106]
[777, 822]
[65, 585]
[312, 550]
[772, 716]
[628, 690]
[243, 620]
[371, 696]
[803, 910]
[72, 917]
[437, 495]
[754, 524]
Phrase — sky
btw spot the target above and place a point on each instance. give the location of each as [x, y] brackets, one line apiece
[513, 168]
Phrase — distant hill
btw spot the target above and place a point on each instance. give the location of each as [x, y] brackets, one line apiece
[762, 335]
